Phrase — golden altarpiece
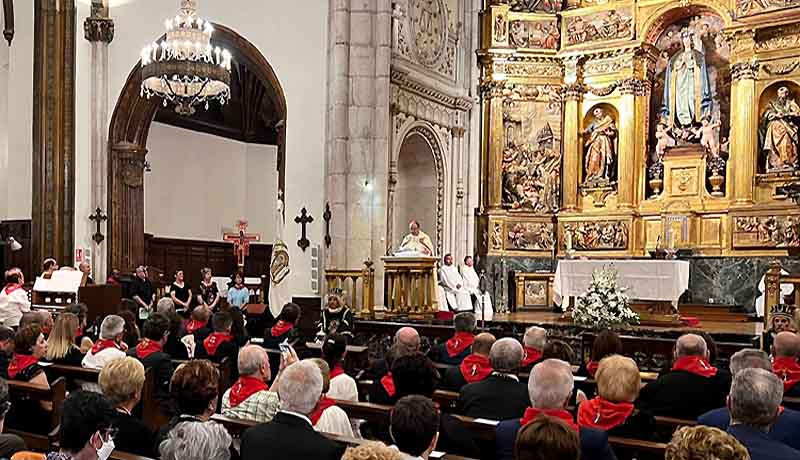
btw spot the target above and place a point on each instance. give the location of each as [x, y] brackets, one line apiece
[614, 127]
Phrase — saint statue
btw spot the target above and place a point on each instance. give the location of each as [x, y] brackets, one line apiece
[417, 240]
[687, 88]
[600, 153]
[779, 132]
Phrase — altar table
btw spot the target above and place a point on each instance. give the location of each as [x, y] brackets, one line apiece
[655, 280]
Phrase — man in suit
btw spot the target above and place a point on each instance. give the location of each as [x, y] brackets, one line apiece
[500, 396]
[550, 388]
[754, 403]
[475, 366]
[692, 387]
[414, 424]
[786, 428]
[290, 435]
[406, 343]
[459, 346]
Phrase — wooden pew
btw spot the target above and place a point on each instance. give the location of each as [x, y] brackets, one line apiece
[56, 394]
[117, 455]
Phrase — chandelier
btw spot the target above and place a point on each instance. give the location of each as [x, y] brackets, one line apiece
[185, 69]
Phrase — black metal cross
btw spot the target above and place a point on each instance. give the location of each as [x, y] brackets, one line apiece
[98, 217]
[327, 217]
[303, 219]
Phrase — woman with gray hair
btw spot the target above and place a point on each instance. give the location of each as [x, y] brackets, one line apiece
[196, 441]
[208, 295]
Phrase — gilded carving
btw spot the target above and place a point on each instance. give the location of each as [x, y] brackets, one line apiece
[744, 70]
[534, 34]
[497, 236]
[530, 6]
[528, 67]
[778, 38]
[750, 7]
[527, 236]
[776, 69]
[767, 231]
[596, 27]
[597, 235]
[500, 31]
[601, 149]
[778, 133]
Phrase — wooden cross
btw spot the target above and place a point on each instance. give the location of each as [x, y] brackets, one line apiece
[98, 217]
[303, 219]
[241, 242]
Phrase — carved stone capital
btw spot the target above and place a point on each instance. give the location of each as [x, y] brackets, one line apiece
[492, 88]
[457, 131]
[744, 70]
[98, 29]
[573, 91]
[635, 86]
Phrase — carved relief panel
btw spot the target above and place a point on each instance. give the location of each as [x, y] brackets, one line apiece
[595, 235]
[776, 231]
[423, 34]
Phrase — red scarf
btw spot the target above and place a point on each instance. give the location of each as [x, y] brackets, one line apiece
[603, 414]
[78, 332]
[147, 347]
[475, 368]
[388, 384]
[102, 344]
[531, 413]
[696, 365]
[19, 363]
[788, 370]
[244, 388]
[337, 371]
[213, 341]
[195, 325]
[324, 403]
[458, 343]
[11, 288]
[531, 356]
[591, 367]
[280, 328]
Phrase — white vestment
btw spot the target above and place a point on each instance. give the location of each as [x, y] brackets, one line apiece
[471, 284]
[417, 243]
[455, 294]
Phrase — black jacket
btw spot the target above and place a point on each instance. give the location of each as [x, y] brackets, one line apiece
[453, 379]
[134, 436]
[684, 395]
[439, 354]
[497, 397]
[287, 437]
[162, 365]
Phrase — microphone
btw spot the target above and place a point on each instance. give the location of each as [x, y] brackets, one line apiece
[482, 282]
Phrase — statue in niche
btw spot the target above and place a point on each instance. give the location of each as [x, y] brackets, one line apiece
[687, 90]
[600, 151]
[779, 132]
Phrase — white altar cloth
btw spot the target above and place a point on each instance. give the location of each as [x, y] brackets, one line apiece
[645, 279]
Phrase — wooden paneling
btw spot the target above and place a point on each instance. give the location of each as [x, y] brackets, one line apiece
[21, 231]
[191, 256]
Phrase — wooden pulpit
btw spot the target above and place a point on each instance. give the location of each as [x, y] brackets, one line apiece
[411, 286]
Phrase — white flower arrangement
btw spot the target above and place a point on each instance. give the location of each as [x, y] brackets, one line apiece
[604, 304]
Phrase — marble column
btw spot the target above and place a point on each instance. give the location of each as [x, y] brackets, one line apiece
[99, 31]
[572, 147]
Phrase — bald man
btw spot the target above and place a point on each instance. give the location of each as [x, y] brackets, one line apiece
[249, 398]
[475, 367]
[785, 351]
[86, 269]
[693, 386]
[406, 342]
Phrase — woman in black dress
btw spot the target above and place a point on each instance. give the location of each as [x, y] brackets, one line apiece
[121, 381]
[181, 294]
[30, 346]
[61, 348]
[209, 293]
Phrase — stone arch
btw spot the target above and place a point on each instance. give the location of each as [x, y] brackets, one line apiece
[127, 141]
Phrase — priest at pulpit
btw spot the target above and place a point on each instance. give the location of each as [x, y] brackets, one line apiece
[417, 240]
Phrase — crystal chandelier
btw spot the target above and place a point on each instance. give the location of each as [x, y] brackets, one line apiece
[185, 68]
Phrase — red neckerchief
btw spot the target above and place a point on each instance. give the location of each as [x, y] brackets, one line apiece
[214, 340]
[19, 363]
[324, 403]
[781, 409]
[244, 388]
[788, 370]
[591, 367]
[603, 414]
[79, 332]
[102, 344]
[280, 328]
[531, 413]
[475, 368]
[147, 347]
[11, 287]
[195, 325]
[696, 365]
[337, 371]
[388, 384]
[458, 343]
[531, 356]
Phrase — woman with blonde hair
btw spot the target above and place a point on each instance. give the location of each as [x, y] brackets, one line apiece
[704, 443]
[372, 450]
[121, 381]
[61, 348]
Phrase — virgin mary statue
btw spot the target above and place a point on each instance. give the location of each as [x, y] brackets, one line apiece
[687, 88]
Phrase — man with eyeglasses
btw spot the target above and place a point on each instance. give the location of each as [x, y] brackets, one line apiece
[86, 431]
[9, 443]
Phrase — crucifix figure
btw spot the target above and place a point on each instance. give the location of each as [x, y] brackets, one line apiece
[98, 217]
[241, 242]
[303, 219]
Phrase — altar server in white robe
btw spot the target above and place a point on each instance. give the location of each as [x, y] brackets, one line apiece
[483, 302]
[455, 294]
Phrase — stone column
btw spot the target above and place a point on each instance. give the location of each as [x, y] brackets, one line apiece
[459, 221]
[744, 144]
[573, 95]
[493, 109]
[53, 213]
[630, 146]
[99, 31]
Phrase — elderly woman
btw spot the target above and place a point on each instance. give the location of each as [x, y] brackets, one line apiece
[704, 443]
[372, 450]
[196, 441]
[612, 410]
[327, 417]
[606, 343]
[208, 295]
[121, 381]
[30, 347]
[61, 348]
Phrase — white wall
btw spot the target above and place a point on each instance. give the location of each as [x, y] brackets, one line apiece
[200, 185]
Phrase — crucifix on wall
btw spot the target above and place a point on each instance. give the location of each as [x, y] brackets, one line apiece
[241, 242]
[303, 219]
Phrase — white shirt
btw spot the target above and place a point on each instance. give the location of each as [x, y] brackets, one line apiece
[343, 387]
[99, 360]
[297, 414]
[334, 420]
[12, 306]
